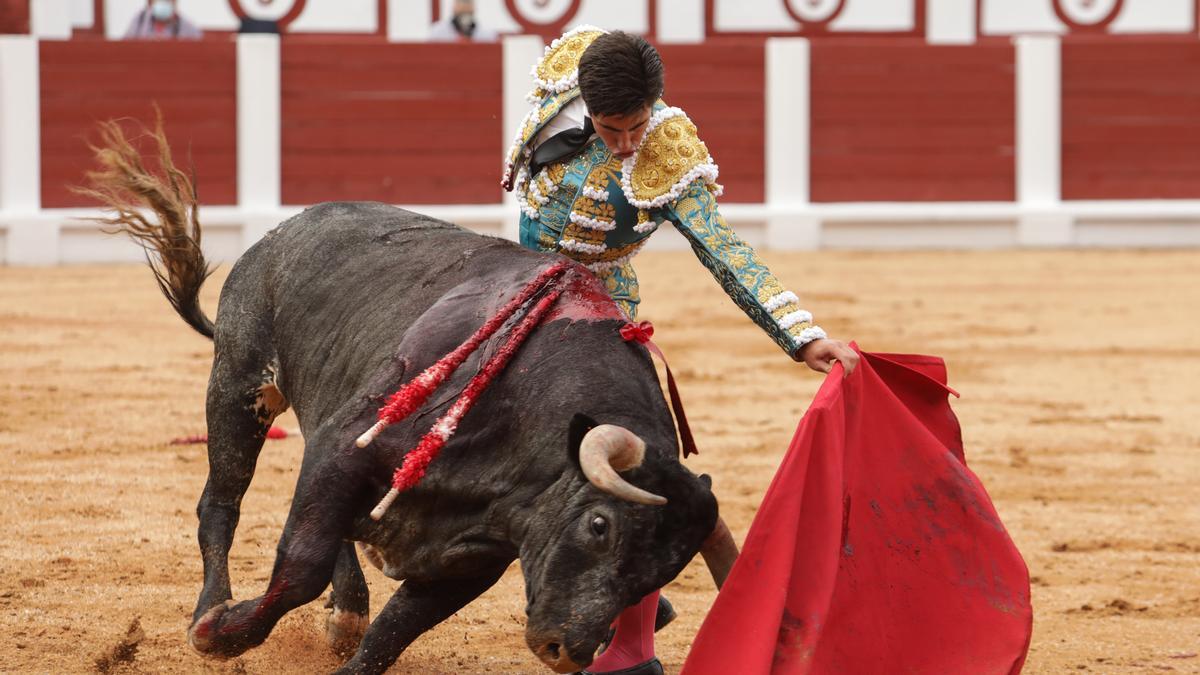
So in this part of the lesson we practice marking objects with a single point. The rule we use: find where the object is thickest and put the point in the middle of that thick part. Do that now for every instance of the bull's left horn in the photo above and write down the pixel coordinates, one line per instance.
(607, 449)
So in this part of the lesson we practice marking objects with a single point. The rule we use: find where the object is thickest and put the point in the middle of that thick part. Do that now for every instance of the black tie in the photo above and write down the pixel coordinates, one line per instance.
(560, 145)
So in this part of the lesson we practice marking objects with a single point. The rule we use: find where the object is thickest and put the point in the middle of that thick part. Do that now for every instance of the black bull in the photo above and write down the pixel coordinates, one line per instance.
(333, 310)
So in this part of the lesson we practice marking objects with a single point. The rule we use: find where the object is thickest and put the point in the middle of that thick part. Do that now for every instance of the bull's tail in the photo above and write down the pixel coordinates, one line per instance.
(171, 238)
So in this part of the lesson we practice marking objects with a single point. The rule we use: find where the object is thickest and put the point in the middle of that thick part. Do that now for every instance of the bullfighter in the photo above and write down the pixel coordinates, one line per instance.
(598, 165)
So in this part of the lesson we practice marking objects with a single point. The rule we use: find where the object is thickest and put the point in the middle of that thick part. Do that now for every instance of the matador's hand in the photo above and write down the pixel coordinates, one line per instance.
(820, 355)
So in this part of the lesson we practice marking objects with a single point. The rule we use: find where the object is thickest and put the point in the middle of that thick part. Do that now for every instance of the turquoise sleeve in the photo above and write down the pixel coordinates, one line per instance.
(739, 270)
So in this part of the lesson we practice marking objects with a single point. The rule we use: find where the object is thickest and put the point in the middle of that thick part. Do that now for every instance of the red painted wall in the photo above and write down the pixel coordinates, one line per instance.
(14, 16)
(195, 84)
(721, 86)
(900, 120)
(398, 123)
(1131, 118)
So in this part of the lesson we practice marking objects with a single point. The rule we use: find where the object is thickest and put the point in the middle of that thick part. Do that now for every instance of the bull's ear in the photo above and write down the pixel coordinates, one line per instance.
(705, 480)
(580, 425)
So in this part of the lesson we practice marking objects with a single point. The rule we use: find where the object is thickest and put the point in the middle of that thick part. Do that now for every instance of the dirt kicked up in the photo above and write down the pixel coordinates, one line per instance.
(1079, 373)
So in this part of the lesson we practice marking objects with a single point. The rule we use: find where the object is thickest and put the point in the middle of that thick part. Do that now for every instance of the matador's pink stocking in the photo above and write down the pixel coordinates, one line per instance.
(634, 640)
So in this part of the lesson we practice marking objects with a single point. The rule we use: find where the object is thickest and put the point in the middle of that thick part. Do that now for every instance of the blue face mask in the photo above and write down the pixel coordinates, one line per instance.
(162, 10)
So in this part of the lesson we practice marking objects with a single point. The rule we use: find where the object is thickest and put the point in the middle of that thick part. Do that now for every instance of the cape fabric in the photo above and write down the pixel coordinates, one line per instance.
(875, 550)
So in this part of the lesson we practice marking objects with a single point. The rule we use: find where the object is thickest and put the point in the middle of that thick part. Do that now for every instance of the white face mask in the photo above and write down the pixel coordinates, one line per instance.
(162, 10)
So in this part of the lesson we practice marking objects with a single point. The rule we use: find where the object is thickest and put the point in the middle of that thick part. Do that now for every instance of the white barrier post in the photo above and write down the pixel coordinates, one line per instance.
(259, 124)
(790, 222)
(1043, 221)
(25, 240)
(520, 53)
(20, 184)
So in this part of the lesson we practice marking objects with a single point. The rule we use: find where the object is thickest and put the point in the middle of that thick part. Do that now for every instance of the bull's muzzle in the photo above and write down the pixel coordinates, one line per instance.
(553, 652)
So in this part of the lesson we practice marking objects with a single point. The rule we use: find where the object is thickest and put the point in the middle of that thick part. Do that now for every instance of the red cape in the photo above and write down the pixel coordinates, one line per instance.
(875, 550)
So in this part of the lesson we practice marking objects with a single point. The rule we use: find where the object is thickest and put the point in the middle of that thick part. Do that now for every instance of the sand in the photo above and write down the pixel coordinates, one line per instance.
(1079, 373)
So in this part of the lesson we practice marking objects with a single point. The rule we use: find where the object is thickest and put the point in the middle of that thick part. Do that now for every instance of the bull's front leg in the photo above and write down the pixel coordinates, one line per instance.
(304, 564)
(413, 609)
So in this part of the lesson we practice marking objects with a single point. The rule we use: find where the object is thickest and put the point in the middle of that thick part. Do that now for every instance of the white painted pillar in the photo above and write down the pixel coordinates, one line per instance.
(1039, 136)
(259, 126)
(26, 241)
(950, 22)
(1039, 143)
(520, 53)
(20, 121)
(50, 19)
(680, 21)
(790, 223)
(409, 20)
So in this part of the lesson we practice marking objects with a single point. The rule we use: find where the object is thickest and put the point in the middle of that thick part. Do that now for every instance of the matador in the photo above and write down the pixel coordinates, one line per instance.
(598, 165)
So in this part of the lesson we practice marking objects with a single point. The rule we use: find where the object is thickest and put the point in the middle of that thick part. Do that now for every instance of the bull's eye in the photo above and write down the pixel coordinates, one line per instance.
(599, 526)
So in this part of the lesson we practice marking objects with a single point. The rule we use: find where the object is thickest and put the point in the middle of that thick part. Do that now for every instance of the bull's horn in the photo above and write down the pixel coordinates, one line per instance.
(607, 449)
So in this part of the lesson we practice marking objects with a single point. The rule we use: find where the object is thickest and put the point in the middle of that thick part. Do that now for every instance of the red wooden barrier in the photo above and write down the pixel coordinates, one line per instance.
(899, 120)
(398, 123)
(1131, 118)
(722, 87)
(14, 16)
(195, 84)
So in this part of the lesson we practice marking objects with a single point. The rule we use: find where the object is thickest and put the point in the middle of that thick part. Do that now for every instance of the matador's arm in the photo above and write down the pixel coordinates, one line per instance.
(739, 270)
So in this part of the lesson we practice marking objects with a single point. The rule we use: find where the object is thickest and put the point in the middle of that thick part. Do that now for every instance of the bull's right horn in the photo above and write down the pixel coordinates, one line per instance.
(607, 449)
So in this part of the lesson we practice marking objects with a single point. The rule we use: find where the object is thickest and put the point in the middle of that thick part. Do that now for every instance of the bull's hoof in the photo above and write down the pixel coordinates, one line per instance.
(344, 630)
(203, 635)
(665, 613)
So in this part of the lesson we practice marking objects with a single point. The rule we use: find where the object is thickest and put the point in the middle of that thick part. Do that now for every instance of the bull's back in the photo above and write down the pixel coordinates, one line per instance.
(345, 280)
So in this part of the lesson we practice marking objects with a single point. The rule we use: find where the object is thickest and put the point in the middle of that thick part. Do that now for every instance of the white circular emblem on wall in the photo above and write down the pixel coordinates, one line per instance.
(1087, 12)
(814, 11)
(543, 11)
(266, 10)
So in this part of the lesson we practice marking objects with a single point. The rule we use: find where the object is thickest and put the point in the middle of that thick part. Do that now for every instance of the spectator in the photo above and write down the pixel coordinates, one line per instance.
(461, 27)
(160, 20)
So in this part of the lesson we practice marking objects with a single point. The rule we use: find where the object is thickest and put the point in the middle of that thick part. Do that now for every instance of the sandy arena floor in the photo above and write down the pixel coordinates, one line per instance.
(1078, 371)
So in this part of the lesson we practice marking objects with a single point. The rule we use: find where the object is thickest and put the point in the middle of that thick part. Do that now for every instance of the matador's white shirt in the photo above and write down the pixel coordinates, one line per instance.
(570, 117)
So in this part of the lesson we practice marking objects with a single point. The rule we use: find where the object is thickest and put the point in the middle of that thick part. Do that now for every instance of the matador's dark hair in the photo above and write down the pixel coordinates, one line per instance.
(619, 74)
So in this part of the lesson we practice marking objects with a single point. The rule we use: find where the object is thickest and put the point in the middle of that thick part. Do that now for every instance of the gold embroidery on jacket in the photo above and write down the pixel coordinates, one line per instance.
(672, 150)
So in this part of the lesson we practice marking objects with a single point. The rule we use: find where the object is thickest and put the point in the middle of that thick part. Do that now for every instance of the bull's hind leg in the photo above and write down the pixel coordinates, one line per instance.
(242, 403)
(348, 604)
(414, 608)
(328, 493)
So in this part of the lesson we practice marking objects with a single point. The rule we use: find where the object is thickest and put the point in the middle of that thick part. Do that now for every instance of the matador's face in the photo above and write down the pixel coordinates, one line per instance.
(622, 133)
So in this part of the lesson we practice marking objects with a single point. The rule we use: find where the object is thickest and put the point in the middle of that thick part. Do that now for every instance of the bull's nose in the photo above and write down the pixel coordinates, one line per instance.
(554, 655)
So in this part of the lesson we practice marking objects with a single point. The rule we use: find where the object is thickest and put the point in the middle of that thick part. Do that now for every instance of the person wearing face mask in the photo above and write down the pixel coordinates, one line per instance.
(597, 166)
(462, 26)
(160, 20)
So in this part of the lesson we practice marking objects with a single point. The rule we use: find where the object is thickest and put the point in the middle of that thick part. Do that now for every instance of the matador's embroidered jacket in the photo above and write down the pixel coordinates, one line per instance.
(600, 210)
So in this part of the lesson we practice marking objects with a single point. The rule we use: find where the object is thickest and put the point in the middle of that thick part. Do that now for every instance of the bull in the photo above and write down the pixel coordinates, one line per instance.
(335, 308)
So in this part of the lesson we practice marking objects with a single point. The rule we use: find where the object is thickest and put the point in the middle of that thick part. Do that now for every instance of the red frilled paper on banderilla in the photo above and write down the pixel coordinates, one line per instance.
(875, 550)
